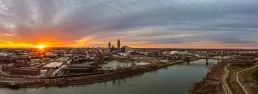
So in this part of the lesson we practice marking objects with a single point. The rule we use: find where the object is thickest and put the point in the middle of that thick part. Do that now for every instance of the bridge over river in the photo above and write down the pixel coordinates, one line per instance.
(218, 58)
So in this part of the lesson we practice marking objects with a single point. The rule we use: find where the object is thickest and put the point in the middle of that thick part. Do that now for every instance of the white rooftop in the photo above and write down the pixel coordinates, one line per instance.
(53, 65)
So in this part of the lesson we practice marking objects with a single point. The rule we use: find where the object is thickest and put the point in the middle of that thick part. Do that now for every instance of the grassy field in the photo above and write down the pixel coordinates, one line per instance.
(255, 75)
(235, 87)
(246, 78)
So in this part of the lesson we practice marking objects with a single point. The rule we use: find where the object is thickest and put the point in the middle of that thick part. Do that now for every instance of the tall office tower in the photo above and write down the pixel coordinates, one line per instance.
(109, 45)
(118, 44)
(113, 47)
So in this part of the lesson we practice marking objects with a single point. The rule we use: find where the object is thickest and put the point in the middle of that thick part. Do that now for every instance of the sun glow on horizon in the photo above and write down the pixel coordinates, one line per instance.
(41, 46)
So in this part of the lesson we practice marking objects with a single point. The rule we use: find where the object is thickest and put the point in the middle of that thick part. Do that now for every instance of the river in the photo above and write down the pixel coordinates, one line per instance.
(176, 79)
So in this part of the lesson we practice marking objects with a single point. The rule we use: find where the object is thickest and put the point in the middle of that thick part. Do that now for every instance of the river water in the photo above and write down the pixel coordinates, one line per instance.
(176, 79)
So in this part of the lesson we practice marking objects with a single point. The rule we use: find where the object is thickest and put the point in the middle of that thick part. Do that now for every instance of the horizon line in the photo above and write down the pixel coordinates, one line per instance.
(135, 48)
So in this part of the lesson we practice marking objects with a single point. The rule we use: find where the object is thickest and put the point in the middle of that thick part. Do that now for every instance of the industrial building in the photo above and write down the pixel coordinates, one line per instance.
(28, 71)
(81, 68)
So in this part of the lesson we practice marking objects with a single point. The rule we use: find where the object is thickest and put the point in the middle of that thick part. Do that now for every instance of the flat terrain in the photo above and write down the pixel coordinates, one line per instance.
(246, 78)
(252, 80)
(255, 75)
(235, 87)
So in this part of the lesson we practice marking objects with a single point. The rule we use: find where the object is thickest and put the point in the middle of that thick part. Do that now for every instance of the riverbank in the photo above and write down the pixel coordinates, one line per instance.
(212, 83)
(178, 78)
(86, 79)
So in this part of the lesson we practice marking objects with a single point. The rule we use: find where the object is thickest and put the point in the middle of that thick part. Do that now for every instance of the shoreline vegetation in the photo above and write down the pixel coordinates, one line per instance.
(86, 79)
(212, 83)
(238, 82)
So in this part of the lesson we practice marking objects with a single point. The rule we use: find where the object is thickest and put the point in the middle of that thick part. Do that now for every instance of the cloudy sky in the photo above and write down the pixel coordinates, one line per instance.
(138, 23)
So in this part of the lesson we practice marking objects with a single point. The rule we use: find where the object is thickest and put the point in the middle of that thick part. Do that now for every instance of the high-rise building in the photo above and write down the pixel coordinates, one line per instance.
(125, 49)
(112, 48)
(109, 45)
(118, 44)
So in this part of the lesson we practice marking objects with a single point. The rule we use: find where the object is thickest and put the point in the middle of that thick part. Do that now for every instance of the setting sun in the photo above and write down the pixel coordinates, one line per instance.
(41, 46)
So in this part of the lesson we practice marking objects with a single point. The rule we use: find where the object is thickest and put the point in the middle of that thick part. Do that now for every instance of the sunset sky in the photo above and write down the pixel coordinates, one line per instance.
(138, 23)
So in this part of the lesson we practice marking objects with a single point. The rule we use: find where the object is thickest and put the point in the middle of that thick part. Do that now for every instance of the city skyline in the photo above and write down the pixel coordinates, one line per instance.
(128, 46)
(140, 24)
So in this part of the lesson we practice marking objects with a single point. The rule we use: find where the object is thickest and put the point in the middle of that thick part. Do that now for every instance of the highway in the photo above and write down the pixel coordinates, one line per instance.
(225, 86)
(237, 76)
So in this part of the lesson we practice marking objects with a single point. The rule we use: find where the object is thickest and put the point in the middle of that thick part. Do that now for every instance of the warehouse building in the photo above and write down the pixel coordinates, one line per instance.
(28, 71)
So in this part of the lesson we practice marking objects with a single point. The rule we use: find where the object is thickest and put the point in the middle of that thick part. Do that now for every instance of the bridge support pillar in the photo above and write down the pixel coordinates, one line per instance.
(207, 61)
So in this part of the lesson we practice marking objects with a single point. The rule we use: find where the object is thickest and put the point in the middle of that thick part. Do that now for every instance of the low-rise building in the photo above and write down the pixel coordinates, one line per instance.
(80, 68)
(28, 71)
(52, 65)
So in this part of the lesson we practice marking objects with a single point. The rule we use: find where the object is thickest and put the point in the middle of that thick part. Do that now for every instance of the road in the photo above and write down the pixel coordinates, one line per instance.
(237, 76)
(225, 86)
